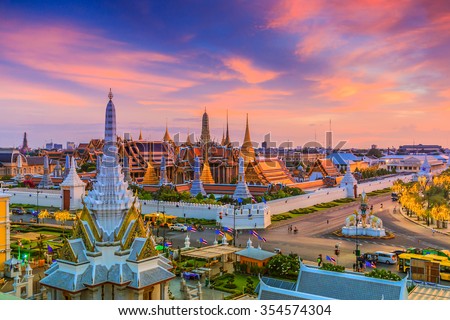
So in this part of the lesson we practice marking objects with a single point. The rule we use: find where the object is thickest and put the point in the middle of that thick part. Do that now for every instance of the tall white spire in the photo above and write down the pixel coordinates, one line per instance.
(110, 198)
(110, 120)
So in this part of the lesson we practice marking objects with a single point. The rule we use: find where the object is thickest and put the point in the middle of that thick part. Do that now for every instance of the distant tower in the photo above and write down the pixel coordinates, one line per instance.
(247, 150)
(329, 139)
(25, 149)
(19, 177)
(110, 120)
(227, 141)
(197, 184)
(163, 172)
(126, 169)
(46, 180)
(188, 139)
(57, 172)
(167, 137)
(205, 137)
(241, 190)
(67, 166)
(72, 190)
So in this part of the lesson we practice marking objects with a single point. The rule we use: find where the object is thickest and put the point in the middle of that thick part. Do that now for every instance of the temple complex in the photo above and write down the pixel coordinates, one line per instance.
(111, 255)
(218, 160)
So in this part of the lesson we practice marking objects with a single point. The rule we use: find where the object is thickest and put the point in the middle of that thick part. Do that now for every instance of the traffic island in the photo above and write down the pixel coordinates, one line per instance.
(389, 235)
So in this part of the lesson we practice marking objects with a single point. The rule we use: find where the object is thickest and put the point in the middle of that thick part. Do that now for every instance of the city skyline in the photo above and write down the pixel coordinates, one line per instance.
(377, 69)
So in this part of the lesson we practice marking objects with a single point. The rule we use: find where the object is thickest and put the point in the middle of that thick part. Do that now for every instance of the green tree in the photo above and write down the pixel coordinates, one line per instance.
(249, 286)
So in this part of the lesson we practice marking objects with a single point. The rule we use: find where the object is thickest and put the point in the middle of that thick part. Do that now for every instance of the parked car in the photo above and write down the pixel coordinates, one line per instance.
(178, 227)
(33, 212)
(386, 257)
(18, 211)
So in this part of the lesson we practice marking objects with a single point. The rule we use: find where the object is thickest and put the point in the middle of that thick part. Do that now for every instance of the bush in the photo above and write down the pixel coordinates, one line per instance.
(230, 286)
(332, 267)
(383, 274)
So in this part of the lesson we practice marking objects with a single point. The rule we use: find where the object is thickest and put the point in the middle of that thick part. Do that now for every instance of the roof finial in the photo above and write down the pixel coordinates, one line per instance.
(110, 95)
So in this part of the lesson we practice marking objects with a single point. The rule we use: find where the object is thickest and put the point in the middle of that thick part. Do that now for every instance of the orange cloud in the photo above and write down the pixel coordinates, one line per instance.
(287, 12)
(248, 72)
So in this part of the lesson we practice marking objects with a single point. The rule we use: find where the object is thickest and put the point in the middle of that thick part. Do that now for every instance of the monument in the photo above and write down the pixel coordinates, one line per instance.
(361, 223)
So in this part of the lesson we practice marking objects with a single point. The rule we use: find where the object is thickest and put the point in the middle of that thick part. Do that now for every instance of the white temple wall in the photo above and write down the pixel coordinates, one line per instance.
(328, 194)
(31, 197)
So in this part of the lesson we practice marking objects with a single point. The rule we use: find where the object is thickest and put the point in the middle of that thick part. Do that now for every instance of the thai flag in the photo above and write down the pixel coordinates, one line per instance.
(262, 239)
(333, 260)
(254, 233)
(192, 229)
(203, 241)
(226, 229)
(220, 233)
(254, 200)
(168, 244)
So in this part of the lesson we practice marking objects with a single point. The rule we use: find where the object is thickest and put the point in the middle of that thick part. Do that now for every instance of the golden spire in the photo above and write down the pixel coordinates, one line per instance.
(206, 175)
(167, 137)
(150, 175)
(223, 137)
(227, 141)
(188, 139)
(140, 135)
(247, 150)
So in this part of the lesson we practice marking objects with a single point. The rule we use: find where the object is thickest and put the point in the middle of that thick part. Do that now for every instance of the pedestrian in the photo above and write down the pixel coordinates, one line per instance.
(432, 230)
(319, 260)
(327, 221)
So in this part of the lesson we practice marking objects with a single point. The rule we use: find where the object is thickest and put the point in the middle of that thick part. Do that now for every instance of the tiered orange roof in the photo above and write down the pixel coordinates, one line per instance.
(325, 166)
(272, 171)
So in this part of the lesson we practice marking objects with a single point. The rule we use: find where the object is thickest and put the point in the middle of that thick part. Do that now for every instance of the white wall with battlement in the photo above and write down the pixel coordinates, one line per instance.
(258, 214)
(329, 194)
(43, 198)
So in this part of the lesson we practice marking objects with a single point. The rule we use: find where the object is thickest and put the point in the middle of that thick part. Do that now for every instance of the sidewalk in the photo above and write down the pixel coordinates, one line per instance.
(445, 232)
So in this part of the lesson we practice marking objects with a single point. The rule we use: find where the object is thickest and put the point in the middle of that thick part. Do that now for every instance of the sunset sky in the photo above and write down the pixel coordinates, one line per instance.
(380, 70)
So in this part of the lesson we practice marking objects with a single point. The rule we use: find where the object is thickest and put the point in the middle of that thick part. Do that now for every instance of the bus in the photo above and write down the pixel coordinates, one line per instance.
(164, 220)
(404, 263)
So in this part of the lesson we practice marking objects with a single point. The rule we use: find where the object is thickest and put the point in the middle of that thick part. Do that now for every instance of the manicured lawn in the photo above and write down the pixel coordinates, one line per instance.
(240, 281)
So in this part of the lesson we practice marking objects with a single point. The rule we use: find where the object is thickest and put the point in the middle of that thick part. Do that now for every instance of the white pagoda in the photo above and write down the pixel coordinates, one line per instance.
(111, 256)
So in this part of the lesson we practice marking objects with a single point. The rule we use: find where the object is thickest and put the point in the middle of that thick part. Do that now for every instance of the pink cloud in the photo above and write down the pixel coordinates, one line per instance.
(248, 71)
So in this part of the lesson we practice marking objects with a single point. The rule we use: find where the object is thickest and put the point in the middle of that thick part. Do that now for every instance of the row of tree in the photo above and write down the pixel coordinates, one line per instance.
(427, 199)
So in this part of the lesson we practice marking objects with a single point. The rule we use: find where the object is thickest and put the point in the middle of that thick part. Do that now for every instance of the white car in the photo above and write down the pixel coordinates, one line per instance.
(178, 227)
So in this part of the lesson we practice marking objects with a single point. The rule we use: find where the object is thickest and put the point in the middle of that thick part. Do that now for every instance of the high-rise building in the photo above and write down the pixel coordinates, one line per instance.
(329, 139)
